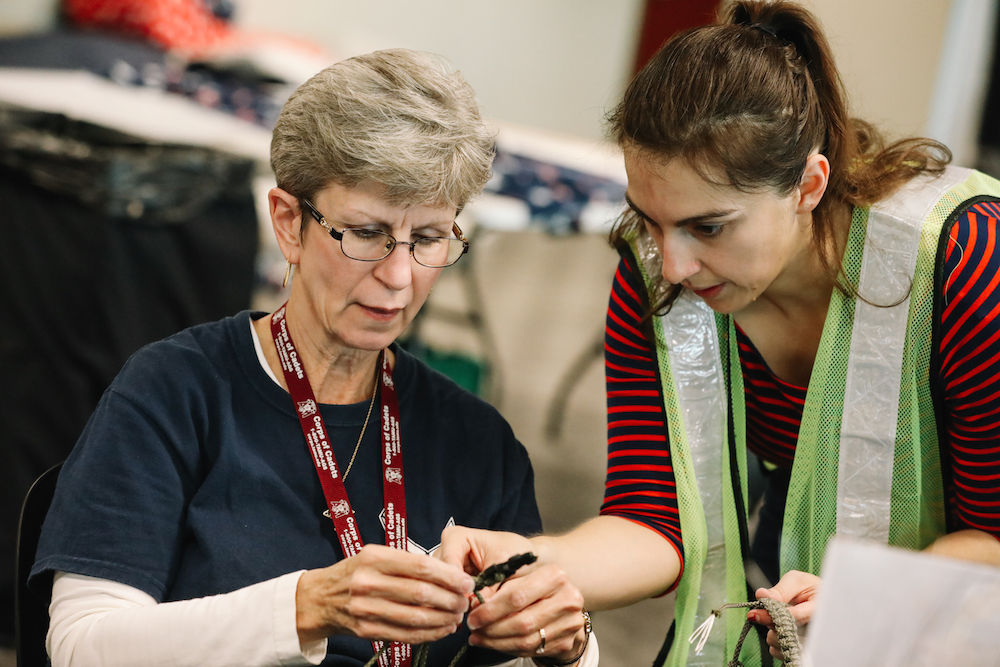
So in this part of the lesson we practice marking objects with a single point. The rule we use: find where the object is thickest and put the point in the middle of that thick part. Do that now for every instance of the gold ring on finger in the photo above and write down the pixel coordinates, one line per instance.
(541, 647)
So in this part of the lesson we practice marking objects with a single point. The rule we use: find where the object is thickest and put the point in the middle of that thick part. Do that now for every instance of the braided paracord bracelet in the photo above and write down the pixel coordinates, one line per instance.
(784, 625)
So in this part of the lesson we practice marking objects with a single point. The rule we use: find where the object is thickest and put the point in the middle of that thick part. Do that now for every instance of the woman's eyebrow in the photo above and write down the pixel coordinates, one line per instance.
(359, 218)
(639, 211)
(355, 216)
(700, 219)
(443, 223)
(703, 218)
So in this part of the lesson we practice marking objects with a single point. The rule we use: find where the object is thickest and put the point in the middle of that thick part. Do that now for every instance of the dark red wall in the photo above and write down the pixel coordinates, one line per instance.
(663, 18)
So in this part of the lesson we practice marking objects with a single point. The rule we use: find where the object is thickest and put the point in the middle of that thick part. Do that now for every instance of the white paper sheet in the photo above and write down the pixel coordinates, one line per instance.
(886, 607)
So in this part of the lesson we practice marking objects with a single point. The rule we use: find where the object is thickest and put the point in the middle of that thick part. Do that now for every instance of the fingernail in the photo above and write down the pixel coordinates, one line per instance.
(473, 625)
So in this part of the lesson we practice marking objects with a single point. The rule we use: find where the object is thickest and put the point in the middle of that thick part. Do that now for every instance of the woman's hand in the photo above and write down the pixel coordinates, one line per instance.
(473, 549)
(536, 598)
(513, 617)
(796, 589)
(382, 593)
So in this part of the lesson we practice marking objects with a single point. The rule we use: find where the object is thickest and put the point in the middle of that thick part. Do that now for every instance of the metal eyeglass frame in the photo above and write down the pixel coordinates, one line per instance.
(339, 236)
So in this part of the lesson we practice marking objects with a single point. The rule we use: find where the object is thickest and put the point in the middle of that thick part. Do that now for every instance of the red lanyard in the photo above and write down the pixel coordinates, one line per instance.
(341, 512)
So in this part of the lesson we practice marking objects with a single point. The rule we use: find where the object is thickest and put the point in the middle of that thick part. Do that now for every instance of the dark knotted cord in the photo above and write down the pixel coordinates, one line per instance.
(491, 576)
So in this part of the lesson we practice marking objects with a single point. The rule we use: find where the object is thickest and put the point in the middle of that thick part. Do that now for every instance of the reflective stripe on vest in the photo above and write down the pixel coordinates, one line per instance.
(871, 394)
(693, 347)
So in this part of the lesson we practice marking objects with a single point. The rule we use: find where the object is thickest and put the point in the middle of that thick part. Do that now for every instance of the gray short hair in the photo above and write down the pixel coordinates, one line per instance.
(398, 118)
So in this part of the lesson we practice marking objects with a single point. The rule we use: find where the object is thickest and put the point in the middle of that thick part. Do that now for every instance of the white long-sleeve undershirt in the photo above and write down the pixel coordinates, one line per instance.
(102, 623)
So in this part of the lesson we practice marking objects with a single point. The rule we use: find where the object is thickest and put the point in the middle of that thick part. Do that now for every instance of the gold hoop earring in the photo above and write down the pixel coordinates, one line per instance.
(288, 274)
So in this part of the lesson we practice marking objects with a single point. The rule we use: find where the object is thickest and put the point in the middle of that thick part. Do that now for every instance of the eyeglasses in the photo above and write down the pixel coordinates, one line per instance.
(370, 245)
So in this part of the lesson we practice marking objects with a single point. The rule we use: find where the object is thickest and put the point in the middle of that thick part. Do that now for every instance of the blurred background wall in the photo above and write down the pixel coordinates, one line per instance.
(557, 64)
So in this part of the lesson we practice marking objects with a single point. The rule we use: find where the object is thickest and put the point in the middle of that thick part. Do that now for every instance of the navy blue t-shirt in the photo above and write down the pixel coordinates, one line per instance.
(193, 478)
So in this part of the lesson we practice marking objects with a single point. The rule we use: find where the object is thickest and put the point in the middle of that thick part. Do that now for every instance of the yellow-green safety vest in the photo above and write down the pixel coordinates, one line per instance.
(866, 462)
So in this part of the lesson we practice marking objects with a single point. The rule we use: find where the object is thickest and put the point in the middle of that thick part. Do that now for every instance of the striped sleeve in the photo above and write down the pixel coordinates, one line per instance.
(970, 369)
(640, 480)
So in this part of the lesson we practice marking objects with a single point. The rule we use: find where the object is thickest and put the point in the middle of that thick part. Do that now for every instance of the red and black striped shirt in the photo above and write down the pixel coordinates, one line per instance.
(640, 481)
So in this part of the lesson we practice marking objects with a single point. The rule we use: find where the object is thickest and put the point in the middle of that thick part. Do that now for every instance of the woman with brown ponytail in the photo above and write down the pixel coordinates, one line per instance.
(793, 285)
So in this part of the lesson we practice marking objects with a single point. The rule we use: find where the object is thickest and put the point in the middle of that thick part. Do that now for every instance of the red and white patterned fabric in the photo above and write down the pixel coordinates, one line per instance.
(185, 26)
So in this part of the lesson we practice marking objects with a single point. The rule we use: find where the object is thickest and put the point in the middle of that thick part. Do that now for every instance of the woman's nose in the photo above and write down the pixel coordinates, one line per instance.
(396, 270)
(679, 263)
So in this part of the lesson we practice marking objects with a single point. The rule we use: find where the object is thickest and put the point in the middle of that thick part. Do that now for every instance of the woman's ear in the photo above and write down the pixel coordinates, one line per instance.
(815, 178)
(286, 218)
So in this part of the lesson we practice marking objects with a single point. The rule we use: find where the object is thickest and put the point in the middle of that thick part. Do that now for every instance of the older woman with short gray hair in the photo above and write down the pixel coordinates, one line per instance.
(238, 498)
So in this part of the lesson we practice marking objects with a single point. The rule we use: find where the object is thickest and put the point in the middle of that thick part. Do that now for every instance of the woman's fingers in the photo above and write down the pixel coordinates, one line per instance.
(473, 550)
(513, 618)
(793, 588)
(420, 604)
(379, 618)
(524, 637)
(411, 578)
(383, 593)
(802, 612)
(798, 590)
(773, 647)
(519, 593)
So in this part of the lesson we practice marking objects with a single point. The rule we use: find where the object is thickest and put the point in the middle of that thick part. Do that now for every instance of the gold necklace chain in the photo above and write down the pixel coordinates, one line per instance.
(364, 426)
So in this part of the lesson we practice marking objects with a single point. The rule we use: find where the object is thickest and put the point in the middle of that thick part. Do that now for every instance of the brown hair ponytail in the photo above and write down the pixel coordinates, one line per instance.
(750, 98)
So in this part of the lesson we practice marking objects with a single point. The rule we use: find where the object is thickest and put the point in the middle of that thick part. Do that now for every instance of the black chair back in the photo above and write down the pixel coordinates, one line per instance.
(31, 613)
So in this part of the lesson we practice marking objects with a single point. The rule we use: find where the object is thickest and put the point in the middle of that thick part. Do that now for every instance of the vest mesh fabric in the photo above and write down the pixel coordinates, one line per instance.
(917, 514)
(814, 470)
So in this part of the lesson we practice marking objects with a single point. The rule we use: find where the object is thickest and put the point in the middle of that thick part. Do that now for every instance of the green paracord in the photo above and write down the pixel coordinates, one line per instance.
(784, 625)
(491, 576)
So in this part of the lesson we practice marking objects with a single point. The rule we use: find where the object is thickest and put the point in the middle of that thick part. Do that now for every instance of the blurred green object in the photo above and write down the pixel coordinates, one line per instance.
(467, 371)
